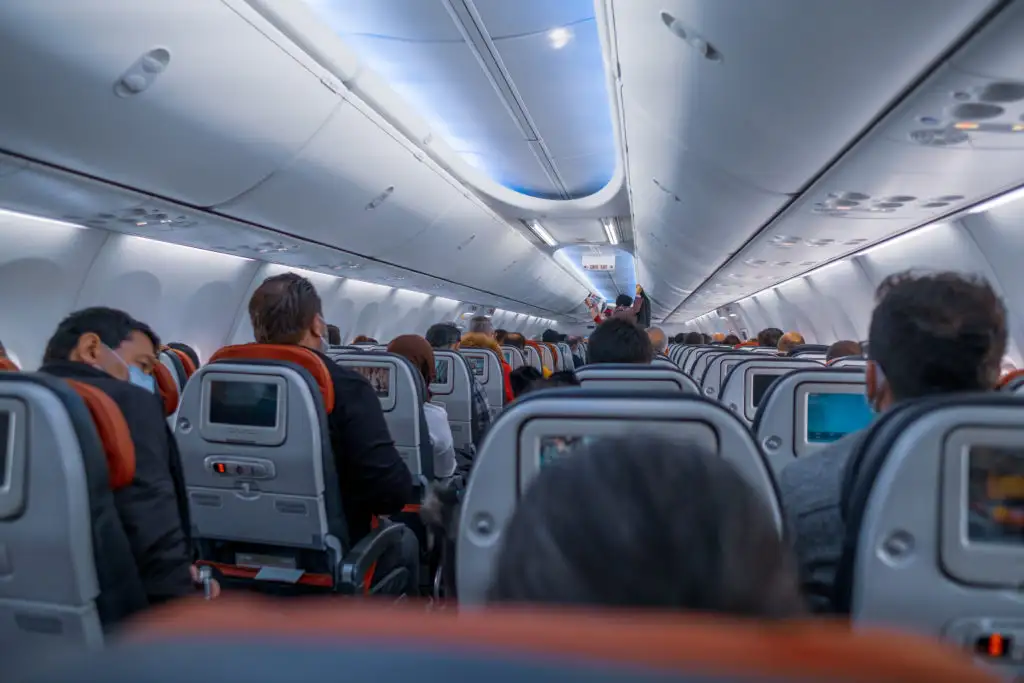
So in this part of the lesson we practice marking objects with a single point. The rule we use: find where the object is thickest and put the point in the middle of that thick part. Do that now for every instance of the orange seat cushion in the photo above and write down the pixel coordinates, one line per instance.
(7, 365)
(299, 355)
(186, 360)
(167, 387)
(113, 432)
(1005, 379)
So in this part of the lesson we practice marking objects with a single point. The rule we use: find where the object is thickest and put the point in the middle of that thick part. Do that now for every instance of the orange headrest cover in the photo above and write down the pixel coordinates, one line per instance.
(167, 387)
(299, 355)
(7, 365)
(113, 433)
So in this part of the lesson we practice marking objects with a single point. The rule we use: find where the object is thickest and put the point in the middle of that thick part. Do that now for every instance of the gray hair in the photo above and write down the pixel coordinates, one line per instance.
(658, 339)
(481, 324)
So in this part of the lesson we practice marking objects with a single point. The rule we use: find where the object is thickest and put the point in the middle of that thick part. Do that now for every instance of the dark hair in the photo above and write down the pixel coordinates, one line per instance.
(732, 340)
(842, 349)
(705, 338)
(443, 335)
(769, 337)
(550, 337)
(363, 339)
(186, 349)
(517, 340)
(617, 340)
(637, 521)
(283, 309)
(624, 300)
(693, 338)
(499, 336)
(937, 333)
(333, 335)
(109, 324)
(556, 380)
(521, 378)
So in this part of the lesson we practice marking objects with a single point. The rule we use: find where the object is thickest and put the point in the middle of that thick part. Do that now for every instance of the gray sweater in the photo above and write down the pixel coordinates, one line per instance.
(811, 489)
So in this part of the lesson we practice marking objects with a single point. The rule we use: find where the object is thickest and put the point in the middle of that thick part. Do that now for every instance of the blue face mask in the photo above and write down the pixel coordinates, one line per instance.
(135, 374)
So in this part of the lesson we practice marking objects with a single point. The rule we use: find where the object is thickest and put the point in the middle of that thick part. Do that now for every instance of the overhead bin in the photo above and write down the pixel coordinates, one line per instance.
(182, 98)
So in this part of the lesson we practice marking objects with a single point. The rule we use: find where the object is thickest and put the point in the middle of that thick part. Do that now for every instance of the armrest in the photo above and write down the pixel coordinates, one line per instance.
(357, 562)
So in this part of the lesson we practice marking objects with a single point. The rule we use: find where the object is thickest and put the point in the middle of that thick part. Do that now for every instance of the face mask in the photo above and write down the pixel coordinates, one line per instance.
(880, 383)
(324, 345)
(135, 374)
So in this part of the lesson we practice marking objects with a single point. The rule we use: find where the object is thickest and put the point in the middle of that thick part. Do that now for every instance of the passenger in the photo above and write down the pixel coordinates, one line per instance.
(446, 337)
(693, 338)
(619, 341)
(286, 309)
(659, 342)
(641, 522)
(187, 350)
(500, 336)
(522, 378)
(480, 340)
(481, 324)
(718, 338)
(419, 352)
(630, 308)
(555, 381)
(516, 340)
(842, 349)
(732, 340)
(550, 337)
(705, 338)
(363, 339)
(930, 334)
(574, 346)
(790, 341)
(115, 353)
(333, 335)
(769, 337)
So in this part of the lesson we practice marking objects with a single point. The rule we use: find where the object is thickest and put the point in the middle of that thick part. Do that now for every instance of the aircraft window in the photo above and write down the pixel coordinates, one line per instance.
(441, 370)
(832, 416)
(247, 404)
(6, 444)
(995, 495)
(477, 363)
(378, 377)
(761, 384)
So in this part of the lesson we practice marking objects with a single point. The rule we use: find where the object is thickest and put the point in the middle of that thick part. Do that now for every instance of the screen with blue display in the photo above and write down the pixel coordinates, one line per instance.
(830, 417)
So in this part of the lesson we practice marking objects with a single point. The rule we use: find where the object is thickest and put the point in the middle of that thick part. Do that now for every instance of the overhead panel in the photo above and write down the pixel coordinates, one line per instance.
(733, 107)
(182, 98)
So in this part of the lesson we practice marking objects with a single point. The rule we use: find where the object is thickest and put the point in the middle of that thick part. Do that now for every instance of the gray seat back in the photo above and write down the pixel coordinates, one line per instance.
(637, 377)
(935, 503)
(663, 362)
(527, 434)
(548, 357)
(533, 358)
(513, 356)
(849, 362)
(170, 360)
(565, 357)
(745, 384)
(453, 389)
(805, 410)
(700, 364)
(486, 366)
(258, 466)
(54, 484)
(717, 370)
(401, 391)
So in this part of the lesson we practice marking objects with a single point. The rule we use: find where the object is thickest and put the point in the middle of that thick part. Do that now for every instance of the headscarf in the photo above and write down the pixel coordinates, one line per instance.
(419, 352)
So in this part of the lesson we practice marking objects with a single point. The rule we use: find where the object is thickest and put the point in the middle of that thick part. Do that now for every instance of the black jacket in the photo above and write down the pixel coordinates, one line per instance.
(150, 507)
(374, 479)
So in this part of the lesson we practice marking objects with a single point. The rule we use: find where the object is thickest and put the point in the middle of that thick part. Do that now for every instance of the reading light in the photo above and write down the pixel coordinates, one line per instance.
(559, 37)
(540, 232)
(611, 230)
(995, 202)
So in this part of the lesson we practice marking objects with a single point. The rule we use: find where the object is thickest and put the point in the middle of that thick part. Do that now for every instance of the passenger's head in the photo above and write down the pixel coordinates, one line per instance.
(517, 340)
(481, 324)
(286, 309)
(550, 337)
(444, 336)
(636, 521)
(659, 342)
(478, 340)
(624, 301)
(769, 337)
(790, 341)
(693, 338)
(617, 340)
(842, 349)
(933, 334)
(732, 340)
(522, 378)
(333, 335)
(500, 336)
(363, 339)
(705, 338)
(418, 351)
(108, 339)
(717, 338)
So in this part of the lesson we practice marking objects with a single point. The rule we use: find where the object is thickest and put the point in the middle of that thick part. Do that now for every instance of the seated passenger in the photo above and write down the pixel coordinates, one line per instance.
(718, 338)
(732, 340)
(930, 334)
(790, 341)
(693, 338)
(659, 342)
(115, 353)
(500, 336)
(516, 340)
(769, 337)
(333, 335)
(641, 522)
(374, 480)
(481, 336)
(420, 353)
(446, 337)
(574, 346)
(619, 341)
(522, 377)
(363, 339)
(555, 381)
(842, 349)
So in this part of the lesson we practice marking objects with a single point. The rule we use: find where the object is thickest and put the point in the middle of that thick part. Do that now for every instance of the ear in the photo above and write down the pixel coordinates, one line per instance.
(875, 385)
(87, 350)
